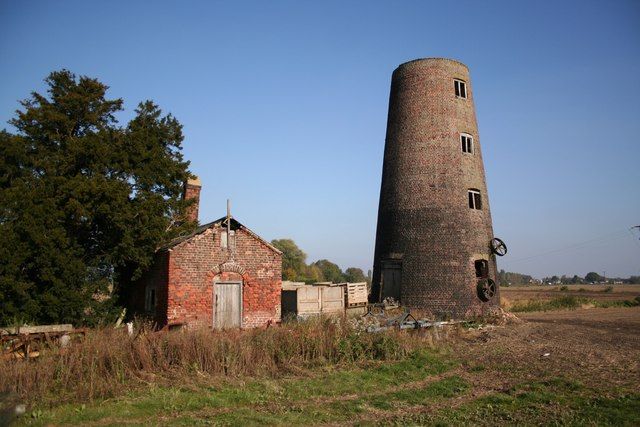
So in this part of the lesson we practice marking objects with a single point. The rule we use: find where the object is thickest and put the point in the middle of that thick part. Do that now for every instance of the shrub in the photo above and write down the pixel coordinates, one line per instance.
(108, 361)
(571, 302)
(564, 302)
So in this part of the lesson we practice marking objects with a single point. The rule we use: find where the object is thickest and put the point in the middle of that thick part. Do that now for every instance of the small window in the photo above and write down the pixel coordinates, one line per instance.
(223, 239)
(150, 301)
(460, 88)
(482, 269)
(467, 143)
(475, 201)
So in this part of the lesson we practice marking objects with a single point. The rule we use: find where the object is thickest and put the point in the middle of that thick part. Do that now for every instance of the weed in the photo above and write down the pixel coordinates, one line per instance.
(109, 361)
(626, 303)
(571, 303)
(564, 302)
(332, 396)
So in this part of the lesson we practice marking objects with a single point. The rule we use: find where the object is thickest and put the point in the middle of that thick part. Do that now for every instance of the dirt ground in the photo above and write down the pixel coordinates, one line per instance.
(513, 294)
(600, 347)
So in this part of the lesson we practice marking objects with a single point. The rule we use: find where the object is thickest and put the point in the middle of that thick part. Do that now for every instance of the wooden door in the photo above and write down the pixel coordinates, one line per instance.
(309, 300)
(391, 279)
(332, 299)
(227, 305)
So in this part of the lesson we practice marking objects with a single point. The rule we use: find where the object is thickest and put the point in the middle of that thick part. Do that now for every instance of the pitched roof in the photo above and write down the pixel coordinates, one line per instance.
(235, 224)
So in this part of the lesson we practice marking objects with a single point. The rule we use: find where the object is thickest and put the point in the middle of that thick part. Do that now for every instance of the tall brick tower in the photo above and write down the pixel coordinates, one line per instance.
(435, 248)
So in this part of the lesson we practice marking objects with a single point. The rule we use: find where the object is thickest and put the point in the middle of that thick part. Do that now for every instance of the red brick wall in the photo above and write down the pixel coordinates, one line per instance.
(157, 277)
(195, 265)
(192, 191)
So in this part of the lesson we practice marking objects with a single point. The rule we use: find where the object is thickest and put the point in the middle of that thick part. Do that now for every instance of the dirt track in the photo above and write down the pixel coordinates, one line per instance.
(594, 346)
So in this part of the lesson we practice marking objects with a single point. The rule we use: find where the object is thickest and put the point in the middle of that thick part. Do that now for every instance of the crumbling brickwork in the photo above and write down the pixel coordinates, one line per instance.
(425, 223)
(192, 190)
(185, 294)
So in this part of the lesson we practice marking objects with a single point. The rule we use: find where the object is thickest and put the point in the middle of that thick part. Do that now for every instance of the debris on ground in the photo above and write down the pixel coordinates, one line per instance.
(391, 315)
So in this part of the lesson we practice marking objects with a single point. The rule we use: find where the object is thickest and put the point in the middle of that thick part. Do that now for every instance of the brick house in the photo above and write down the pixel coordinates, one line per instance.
(222, 275)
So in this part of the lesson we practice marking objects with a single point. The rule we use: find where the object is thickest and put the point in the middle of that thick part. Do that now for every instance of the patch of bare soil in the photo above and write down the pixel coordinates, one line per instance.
(597, 347)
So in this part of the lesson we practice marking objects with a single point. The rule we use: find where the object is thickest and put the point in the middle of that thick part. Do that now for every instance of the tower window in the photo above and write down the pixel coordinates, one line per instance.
(475, 201)
(460, 88)
(467, 143)
(482, 269)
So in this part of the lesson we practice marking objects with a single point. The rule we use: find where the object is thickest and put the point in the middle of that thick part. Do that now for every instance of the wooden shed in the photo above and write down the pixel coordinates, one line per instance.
(304, 300)
(307, 300)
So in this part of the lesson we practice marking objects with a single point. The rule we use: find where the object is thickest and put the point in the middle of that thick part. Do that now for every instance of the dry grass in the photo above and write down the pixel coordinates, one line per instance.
(108, 362)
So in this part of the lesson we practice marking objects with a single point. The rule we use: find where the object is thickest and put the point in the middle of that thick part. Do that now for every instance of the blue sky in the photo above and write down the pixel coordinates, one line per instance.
(284, 107)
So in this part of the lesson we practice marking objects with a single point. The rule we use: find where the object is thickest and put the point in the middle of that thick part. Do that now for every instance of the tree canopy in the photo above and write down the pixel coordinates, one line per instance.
(294, 267)
(293, 259)
(330, 272)
(594, 277)
(354, 275)
(84, 202)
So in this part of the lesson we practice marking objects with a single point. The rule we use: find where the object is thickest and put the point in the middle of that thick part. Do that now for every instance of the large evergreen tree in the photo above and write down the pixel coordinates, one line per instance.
(84, 202)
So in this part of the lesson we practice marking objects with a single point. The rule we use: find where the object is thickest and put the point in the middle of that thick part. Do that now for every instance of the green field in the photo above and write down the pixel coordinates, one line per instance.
(568, 367)
(428, 388)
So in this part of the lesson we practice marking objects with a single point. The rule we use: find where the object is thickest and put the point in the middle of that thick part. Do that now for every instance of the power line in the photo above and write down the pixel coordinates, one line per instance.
(602, 239)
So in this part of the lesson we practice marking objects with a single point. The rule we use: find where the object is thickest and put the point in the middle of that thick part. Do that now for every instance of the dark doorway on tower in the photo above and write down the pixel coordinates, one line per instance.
(391, 279)
(482, 269)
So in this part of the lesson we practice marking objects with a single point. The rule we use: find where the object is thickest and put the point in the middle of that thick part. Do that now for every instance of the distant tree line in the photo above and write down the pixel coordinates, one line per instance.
(295, 268)
(591, 277)
(506, 278)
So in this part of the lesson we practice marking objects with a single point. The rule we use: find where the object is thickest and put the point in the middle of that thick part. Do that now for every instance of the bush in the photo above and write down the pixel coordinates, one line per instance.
(108, 361)
(564, 302)
(571, 302)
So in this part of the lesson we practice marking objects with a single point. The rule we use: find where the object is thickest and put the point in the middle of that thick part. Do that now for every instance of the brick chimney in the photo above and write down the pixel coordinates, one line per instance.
(192, 191)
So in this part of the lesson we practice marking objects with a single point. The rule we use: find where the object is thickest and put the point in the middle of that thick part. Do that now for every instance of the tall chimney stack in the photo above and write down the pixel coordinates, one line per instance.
(192, 191)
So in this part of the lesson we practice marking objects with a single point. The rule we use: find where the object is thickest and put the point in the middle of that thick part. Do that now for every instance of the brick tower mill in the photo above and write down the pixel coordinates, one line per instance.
(435, 248)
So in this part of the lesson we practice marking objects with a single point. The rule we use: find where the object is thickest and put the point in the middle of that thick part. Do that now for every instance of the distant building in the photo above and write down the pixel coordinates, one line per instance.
(222, 275)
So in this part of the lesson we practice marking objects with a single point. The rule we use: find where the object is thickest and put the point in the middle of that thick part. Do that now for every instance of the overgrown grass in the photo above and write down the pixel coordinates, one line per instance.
(570, 303)
(564, 302)
(109, 362)
(419, 390)
(329, 397)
